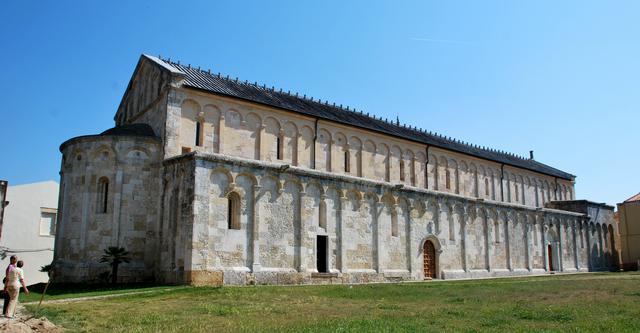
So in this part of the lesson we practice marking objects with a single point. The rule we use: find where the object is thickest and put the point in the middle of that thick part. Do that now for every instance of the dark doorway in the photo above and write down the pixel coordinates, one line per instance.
(550, 254)
(321, 254)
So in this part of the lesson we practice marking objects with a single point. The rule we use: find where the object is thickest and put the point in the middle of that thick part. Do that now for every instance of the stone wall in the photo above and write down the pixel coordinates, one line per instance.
(376, 231)
(247, 130)
(108, 197)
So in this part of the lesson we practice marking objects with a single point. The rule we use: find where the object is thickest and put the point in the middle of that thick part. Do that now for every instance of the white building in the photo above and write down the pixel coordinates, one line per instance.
(29, 227)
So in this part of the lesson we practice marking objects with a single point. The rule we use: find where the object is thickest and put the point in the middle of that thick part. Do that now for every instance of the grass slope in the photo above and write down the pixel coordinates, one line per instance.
(584, 303)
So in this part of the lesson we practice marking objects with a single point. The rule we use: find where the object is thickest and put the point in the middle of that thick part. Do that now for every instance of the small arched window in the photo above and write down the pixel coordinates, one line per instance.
(401, 170)
(279, 147)
(447, 180)
(233, 211)
(103, 195)
(198, 133)
(347, 161)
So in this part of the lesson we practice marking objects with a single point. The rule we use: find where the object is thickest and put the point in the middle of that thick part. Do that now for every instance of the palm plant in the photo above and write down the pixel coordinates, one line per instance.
(114, 256)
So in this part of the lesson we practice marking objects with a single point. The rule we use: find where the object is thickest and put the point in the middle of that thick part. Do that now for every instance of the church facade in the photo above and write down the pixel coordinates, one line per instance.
(206, 179)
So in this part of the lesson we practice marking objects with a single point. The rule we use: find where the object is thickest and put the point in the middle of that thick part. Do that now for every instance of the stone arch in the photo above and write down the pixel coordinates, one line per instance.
(383, 159)
(211, 114)
(454, 175)
(189, 115)
(233, 119)
(98, 154)
(369, 159)
(272, 144)
(395, 164)
(420, 168)
(323, 155)
(290, 144)
(409, 167)
(355, 148)
(305, 147)
(342, 153)
(432, 172)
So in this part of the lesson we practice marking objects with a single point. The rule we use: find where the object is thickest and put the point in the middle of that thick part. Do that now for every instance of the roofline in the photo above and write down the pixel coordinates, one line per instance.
(70, 141)
(593, 203)
(572, 178)
(163, 65)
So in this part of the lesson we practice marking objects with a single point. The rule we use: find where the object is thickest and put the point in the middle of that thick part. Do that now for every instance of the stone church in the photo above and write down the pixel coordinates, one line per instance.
(207, 179)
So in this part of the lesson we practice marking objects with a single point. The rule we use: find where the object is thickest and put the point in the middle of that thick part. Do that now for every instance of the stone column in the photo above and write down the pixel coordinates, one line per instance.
(376, 235)
(341, 230)
(117, 202)
(258, 148)
(561, 240)
(487, 239)
(409, 239)
(527, 239)
(221, 130)
(545, 255)
(507, 240)
(302, 250)
(463, 237)
(256, 266)
(576, 259)
(590, 264)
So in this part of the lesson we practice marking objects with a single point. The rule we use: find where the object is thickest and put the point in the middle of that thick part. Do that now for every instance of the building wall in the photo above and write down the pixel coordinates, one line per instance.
(376, 231)
(248, 130)
(130, 167)
(629, 213)
(21, 233)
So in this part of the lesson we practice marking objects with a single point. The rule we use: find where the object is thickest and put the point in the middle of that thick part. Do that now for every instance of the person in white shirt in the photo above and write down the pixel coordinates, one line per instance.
(16, 279)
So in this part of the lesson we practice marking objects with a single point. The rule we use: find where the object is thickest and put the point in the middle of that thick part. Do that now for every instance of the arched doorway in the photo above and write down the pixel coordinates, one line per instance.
(429, 257)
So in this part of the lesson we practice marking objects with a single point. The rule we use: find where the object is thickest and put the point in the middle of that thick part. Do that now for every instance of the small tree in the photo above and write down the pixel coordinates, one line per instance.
(114, 256)
(46, 269)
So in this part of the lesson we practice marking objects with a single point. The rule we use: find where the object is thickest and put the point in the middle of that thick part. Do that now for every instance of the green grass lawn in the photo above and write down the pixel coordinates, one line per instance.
(579, 303)
(62, 291)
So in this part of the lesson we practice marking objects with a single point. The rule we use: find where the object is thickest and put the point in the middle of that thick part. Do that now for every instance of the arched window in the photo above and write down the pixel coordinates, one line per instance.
(347, 161)
(447, 180)
(233, 211)
(198, 133)
(401, 170)
(279, 147)
(394, 222)
(103, 195)
(322, 218)
(486, 186)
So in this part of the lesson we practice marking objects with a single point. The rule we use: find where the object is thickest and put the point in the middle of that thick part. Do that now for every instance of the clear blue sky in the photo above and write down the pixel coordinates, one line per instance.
(557, 77)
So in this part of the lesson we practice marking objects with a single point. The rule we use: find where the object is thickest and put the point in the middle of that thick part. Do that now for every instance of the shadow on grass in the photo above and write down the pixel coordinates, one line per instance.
(75, 290)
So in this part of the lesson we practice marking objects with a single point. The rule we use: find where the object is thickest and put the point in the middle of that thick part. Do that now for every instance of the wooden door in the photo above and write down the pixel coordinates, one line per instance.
(429, 255)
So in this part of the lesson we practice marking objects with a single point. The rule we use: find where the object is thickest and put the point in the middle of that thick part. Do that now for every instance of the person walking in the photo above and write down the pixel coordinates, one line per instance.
(5, 294)
(16, 278)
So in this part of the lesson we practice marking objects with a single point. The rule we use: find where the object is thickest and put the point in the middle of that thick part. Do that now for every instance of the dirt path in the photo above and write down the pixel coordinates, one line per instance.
(24, 322)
